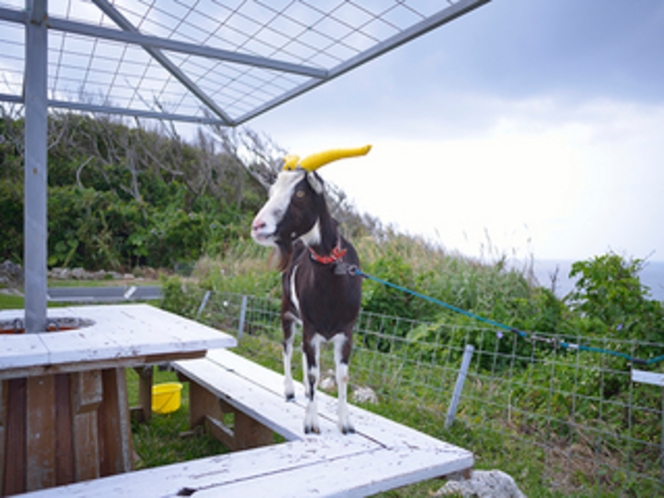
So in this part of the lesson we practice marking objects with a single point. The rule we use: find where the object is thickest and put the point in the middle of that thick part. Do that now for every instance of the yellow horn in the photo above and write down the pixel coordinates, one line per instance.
(315, 161)
(290, 162)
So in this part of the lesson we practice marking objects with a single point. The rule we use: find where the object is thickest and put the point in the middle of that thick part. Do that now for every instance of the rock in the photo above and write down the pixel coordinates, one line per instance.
(482, 484)
(11, 274)
(78, 273)
(328, 383)
(360, 394)
(365, 395)
(99, 275)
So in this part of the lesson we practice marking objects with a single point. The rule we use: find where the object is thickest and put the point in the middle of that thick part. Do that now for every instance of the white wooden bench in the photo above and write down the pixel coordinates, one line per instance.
(382, 455)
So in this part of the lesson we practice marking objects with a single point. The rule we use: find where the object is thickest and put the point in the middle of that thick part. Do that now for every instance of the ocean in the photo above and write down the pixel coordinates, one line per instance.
(652, 276)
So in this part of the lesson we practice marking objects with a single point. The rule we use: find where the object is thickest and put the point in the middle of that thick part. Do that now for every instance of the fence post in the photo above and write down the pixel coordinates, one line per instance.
(203, 303)
(243, 314)
(461, 378)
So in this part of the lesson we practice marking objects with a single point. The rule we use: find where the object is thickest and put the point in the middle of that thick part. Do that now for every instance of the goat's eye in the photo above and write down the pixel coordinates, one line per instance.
(299, 194)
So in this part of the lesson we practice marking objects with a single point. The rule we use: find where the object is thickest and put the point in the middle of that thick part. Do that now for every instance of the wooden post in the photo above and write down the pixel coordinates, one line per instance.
(15, 459)
(114, 427)
(250, 433)
(41, 432)
(202, 403)
(64, 445)
(3, 430)
(205, 408)
(86, 397)
(143, 412)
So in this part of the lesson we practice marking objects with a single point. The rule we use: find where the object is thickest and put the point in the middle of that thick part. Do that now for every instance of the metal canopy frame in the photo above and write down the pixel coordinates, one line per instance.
(220, 62)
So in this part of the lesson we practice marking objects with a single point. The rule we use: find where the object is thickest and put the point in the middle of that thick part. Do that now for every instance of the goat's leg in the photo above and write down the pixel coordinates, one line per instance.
(289, 333)
(311, 368)
(342, 347)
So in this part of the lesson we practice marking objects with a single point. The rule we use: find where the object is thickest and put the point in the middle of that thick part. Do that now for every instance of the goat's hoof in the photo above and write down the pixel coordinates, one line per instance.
(347, 429)
(290, 396)
(311, 429)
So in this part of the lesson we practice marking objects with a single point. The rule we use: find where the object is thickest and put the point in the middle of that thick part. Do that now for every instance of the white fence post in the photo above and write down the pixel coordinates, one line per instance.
(461, 378)
(243, 314)
(203, 303)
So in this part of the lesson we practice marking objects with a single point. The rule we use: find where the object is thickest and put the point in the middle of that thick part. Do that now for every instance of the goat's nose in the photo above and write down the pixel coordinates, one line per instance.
(257, 225)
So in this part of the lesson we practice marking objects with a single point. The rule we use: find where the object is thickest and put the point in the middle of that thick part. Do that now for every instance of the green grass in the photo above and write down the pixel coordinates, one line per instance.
(161, 440)
(409, 394)
(101, 283)
(11, 302)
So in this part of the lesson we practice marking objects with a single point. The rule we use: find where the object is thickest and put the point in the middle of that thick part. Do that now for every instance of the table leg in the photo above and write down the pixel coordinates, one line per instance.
(64, 446)
(40, 446)
(207, 409)
(14, 447)
(114, 427)
(63, 428)
(143, 412)
(3, 429)
(250, 433)
(202, 403)
(86, 396)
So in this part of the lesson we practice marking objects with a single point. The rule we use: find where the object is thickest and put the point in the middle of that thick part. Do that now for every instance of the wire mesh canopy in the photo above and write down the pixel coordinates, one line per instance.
(206, 61)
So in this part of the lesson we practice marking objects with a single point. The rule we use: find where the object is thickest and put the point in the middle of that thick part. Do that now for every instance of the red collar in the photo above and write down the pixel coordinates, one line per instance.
(337, 254)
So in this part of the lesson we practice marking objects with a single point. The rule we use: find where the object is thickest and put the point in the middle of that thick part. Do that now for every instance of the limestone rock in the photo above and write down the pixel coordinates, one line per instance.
(11, 274)
(482, 484)
(365, 395)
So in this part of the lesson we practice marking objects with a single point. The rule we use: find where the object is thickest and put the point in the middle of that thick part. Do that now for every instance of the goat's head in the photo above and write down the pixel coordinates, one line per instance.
(296, 200)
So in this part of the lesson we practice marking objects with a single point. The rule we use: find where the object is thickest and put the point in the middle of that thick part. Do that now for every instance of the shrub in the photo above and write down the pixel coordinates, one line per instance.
(609, 294)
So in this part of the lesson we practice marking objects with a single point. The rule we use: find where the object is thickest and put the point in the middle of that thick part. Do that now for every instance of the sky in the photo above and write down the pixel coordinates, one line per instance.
(524, 129)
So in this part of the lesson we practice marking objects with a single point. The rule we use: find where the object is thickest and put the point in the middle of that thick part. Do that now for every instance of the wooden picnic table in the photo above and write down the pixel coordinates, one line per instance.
(64, 414)
(380, 456)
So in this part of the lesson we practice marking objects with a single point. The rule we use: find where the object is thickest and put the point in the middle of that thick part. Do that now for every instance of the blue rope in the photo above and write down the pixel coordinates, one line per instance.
(520, 333)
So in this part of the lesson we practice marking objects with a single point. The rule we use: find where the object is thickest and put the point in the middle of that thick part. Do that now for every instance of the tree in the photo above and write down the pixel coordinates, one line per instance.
(609, 289)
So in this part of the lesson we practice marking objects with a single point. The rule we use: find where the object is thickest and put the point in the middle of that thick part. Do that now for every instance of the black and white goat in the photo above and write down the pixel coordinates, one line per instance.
(321, 291)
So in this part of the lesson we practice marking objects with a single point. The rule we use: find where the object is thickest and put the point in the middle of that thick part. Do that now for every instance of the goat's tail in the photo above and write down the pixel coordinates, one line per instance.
(315, 161)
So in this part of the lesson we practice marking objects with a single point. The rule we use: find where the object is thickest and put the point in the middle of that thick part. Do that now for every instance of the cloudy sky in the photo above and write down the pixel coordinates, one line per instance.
(536, 128)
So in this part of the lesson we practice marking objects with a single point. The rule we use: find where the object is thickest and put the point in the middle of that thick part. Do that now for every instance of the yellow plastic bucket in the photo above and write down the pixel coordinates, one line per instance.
(166, 397)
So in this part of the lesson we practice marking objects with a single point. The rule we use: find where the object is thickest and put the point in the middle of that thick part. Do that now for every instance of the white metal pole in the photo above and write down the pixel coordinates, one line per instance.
(458, 388)
(36, 125)
(243, 316)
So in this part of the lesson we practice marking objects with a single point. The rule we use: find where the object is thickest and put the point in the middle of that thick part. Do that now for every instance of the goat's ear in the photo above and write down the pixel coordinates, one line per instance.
(316, 182)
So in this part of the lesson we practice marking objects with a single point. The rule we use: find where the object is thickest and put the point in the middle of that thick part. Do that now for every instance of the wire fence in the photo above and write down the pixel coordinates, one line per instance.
(576, 420)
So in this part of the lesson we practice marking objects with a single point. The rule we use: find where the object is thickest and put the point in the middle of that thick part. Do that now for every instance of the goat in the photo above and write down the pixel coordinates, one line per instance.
(321, 292)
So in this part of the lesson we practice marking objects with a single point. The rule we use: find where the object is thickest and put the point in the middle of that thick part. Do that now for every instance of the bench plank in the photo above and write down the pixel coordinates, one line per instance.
(375, 427)
(214, 472)
(357, 475)
(261, 404)
(312, 467)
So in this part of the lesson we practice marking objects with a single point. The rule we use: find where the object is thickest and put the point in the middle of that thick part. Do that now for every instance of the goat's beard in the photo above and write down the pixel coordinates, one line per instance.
(281, 255)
